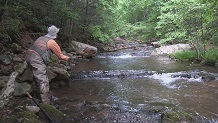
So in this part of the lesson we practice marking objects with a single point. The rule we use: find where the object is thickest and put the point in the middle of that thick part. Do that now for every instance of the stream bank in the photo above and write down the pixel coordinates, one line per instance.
(105, 89)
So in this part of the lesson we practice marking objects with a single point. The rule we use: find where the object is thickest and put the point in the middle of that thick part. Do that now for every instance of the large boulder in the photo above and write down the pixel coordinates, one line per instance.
(168, 49)
(85, 50)
(21, 89)
(61, 74)
(25, 76)
(5, 59)
(17, 84)
(53, 72)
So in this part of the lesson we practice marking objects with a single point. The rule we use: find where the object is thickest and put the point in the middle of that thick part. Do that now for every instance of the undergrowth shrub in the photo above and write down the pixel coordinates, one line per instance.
(211, 58)
(185, 55)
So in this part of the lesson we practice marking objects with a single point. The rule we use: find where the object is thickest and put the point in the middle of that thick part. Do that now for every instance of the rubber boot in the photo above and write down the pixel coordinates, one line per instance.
(36, 93)
(46, 98)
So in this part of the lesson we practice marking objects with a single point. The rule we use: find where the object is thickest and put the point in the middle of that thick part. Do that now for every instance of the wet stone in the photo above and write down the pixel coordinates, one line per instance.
(114, 74)
(52, 112)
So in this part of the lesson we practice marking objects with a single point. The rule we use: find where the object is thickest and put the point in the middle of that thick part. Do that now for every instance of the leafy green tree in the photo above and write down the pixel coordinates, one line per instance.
(111, 23)
(174, 21)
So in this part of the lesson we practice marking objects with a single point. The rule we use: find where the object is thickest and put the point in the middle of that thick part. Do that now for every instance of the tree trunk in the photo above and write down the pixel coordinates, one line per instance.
(86, 15)
(202, 32)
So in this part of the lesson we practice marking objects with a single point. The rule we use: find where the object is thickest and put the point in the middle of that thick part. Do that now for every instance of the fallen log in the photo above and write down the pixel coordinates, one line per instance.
(10, 86)
(9, 89)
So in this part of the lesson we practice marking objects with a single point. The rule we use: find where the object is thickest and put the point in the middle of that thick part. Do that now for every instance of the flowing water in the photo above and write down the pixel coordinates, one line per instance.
(122, 86)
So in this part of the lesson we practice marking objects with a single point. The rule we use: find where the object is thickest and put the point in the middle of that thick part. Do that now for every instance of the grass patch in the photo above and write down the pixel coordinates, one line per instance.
(184, 56)
(210, 58)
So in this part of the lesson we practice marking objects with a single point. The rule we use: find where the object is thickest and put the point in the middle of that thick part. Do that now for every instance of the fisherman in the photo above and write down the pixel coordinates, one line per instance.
(38, 56)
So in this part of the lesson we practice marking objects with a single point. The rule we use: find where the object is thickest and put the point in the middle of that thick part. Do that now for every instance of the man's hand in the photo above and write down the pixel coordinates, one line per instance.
(74, 57)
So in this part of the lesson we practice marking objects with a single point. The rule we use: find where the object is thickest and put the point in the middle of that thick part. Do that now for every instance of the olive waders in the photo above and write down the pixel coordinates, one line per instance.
(35, 61)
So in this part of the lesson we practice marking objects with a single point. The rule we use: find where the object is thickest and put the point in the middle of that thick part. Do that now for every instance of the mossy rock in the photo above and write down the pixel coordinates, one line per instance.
(52, 112)
(176, 117)
(12, 119)
(29, 117)
(156, 109)
(21, 89)
(26, 120)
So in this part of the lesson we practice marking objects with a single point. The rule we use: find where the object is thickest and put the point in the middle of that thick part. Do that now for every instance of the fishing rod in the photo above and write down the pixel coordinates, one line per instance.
(49, 118)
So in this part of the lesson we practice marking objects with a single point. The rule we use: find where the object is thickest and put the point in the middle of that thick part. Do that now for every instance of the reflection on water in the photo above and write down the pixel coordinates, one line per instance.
(174, 84)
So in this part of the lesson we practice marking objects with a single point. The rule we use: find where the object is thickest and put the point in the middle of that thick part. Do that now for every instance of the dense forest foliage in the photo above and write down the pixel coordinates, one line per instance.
(165, 21)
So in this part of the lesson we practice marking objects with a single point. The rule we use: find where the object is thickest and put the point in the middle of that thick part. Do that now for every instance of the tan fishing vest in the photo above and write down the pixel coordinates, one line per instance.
(40, 46)
(41, 42)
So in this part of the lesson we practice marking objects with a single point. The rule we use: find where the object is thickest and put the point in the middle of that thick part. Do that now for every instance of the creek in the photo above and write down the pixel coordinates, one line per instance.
(127, 86)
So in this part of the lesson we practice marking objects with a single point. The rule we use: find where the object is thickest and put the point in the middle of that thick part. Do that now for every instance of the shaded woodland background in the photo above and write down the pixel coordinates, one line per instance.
(90, 21)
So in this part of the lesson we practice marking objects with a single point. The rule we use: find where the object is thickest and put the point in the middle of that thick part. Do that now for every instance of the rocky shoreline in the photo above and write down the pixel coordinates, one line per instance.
(16, 79)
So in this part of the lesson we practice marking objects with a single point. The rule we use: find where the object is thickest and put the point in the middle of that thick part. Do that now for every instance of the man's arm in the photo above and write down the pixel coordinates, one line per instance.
(56, 50)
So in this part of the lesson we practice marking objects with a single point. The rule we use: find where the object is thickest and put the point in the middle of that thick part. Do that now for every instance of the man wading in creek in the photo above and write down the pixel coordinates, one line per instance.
(38, 56)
